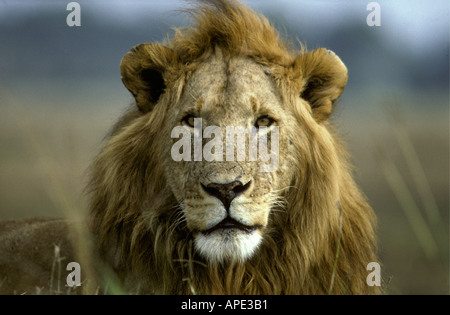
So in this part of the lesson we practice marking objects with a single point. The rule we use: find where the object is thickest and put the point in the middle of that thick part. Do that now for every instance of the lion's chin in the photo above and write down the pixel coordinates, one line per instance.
(228, 245)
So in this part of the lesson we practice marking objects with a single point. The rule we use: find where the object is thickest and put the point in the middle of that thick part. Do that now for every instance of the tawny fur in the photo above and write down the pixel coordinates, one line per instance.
(318, 241)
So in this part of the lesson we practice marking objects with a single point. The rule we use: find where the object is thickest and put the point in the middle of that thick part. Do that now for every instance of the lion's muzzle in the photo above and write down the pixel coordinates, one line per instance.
(226, 192)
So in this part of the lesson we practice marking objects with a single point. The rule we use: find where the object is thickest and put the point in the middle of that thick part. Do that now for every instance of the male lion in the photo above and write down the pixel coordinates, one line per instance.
(223, 225)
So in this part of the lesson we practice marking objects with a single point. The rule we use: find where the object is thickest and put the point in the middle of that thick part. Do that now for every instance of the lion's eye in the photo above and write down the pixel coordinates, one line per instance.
(264, 121)
(188, 120)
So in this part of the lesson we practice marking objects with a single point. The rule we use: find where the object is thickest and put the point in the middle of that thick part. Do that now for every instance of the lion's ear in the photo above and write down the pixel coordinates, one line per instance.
(324, 78)
(143, 70)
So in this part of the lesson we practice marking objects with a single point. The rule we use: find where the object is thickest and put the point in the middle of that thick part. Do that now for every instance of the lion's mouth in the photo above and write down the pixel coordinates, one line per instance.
(230, 223)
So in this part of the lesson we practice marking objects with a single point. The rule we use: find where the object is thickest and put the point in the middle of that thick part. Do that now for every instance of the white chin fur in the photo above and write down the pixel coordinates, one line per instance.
(227, 245)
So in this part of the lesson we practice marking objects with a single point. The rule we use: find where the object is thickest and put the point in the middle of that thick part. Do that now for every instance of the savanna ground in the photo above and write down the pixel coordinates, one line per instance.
(400, 151)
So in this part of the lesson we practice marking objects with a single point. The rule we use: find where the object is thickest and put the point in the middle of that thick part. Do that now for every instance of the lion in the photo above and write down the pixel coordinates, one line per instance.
(169, 222)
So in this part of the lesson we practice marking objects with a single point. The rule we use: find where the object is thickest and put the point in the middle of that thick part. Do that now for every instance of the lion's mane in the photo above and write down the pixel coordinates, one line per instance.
(307, 248)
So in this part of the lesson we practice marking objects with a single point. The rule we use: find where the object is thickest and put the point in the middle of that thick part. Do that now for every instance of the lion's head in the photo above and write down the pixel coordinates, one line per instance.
(229, 149)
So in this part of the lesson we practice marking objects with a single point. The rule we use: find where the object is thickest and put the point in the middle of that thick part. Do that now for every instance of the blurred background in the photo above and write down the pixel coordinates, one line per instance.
(60, 93)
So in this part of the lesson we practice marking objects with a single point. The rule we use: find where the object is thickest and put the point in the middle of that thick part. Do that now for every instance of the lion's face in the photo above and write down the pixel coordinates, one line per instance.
(229, 158)
(234, 135)
(226, 197)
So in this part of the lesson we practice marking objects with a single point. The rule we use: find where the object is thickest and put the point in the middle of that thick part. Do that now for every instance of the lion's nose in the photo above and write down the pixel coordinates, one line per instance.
(226, 192)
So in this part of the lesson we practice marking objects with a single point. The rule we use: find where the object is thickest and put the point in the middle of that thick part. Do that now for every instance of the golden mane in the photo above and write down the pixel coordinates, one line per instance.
(309, 247)
(235, 28)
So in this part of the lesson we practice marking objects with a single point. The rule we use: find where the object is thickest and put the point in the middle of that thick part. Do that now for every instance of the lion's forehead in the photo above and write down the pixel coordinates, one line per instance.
(229, 91)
